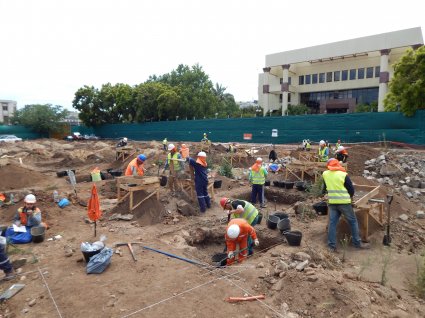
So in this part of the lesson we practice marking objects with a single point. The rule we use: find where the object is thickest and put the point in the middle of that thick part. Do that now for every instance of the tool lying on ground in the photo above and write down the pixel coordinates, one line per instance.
(249, 298)
(387, 238)
(130, 247)
(174, 256)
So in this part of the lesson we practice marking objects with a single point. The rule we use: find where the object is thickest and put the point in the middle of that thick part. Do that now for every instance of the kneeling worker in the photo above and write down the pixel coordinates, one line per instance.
(135, 167)
(237, 233)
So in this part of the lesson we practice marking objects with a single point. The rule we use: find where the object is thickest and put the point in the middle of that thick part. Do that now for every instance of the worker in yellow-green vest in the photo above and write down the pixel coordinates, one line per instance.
(175, 163)
(340, 191)
(164, 144)
(257, 177)
(323, 151)
(243, 210)
(308, 145)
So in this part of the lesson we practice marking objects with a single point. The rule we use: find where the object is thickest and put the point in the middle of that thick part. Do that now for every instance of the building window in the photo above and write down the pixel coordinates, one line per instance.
(4, 108)
(353, 74)
(314, 79)
(289, 97)
(337, 75)
(301, 80)
(369, 72)
(321, 77)
(377, 71)
(329, 77)
(280, 98)
(360, 74)
(281, 80)
(308, 79)
(289, 80)
(344, 75)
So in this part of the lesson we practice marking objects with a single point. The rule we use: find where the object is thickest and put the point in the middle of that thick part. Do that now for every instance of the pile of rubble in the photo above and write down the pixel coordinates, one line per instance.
(406, 173)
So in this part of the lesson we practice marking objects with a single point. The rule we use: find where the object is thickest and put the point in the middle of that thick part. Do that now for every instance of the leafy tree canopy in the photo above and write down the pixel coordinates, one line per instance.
(407, 87)
(364, 108)
(298, 109)
(41, 118)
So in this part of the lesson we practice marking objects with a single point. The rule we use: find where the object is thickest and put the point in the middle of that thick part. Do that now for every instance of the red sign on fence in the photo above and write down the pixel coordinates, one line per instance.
(247, 136)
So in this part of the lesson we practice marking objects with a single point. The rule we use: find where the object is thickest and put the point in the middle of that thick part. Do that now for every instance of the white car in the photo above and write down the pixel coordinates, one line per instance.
(9, 138)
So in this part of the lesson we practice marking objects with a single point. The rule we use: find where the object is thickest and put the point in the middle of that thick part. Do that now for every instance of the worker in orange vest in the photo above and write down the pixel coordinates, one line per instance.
(237, 233)
(135, 167)
(184, 151)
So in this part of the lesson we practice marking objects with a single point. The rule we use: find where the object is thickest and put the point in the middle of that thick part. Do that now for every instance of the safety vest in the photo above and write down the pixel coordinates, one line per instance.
(249, 214)
(337, 193)
(322, 155)
(308, 146)
(133, 166)
(175, 162)
(23, 217)
(258, 177)
(164, 142)
(337, 146)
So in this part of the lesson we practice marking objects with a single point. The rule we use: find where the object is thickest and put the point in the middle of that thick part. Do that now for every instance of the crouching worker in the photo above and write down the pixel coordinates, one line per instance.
(27, 216)
(201, 180)
(135, 167)
(5, 265)
(237, 233)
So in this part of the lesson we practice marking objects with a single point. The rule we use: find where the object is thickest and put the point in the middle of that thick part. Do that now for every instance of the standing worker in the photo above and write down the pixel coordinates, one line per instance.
(323, 151)
(184, 151)
(273, 154)
(164, 144)
(308, 145)
(340, 193)
(257, 177)
(174, 158)
(5, 265)
(135, 167)
(338, 144)
(237, 233)
(241, 209)
(201, 180)
(341, 154)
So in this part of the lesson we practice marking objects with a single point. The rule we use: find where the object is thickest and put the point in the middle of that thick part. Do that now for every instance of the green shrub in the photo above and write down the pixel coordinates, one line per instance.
(225, 169)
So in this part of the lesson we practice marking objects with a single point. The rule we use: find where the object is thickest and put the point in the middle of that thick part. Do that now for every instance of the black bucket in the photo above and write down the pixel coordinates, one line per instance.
(260, 218)
(38, 233)
(281, 215)
(219, 259)
(300, 185)
(321, 208)
(63, 173)
(163, 181)
(115, 173)
(284, 225)
(272, 222)
(281, 184)
(267, 183)
(293, 237)
(88, 255)
(217, 184)
(289, 184)
(276, 183)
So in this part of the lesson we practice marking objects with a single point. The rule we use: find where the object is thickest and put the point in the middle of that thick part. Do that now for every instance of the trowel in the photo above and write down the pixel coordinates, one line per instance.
(387, 238)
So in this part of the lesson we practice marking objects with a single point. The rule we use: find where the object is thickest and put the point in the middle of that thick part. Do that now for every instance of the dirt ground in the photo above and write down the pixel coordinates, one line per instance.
(346, 284)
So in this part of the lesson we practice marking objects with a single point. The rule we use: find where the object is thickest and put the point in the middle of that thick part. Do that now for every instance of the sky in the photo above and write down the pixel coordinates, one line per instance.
(51, 48)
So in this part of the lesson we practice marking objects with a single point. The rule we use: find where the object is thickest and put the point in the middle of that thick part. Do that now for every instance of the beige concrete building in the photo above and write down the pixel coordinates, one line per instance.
(334, 77)
(7, 109)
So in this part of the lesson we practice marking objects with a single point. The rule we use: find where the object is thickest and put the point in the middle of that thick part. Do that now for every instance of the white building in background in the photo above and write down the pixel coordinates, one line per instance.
(7, 109)
(334, 77)
(72, 118)
(253, 103)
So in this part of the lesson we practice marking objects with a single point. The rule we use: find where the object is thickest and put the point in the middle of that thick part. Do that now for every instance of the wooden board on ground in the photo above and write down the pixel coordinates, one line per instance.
(132, 184)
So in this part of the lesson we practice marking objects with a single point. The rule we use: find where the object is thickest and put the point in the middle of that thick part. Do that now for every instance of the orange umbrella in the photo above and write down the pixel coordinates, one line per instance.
(93, 208)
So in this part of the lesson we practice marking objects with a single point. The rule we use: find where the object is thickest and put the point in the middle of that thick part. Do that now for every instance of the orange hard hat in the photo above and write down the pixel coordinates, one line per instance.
(223, 202)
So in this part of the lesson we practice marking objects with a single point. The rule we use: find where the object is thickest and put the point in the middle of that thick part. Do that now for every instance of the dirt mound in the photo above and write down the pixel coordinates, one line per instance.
(16, 177)
(149, 212)
(357, 156)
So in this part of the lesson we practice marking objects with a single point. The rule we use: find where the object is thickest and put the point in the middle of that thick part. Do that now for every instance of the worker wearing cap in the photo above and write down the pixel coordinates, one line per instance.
(122, 142)
(340, 193)
(184, 151)
(341, 154)
(135, 167)
(241, 209)
(29, 216)
(257, 177)
(164, 144)
(323, 151)
(201, 180)
(237, 233)
(177, 166)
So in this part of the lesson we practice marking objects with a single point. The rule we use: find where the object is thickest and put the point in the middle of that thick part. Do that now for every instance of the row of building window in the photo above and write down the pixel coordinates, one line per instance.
(337, 76)
(362, 95)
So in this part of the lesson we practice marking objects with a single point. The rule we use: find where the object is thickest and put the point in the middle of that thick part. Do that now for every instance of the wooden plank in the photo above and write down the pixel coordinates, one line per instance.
(363, 200)
(150, 195)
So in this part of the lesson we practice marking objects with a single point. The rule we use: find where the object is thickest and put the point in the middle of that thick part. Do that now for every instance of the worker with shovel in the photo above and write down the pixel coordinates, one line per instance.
(201, 180)
(135, 167)
(237, 233)
(340, 193)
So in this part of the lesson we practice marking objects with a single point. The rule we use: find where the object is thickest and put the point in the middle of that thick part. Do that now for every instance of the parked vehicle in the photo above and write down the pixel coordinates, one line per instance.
(90, 137)
(74, 136)
(9, 138)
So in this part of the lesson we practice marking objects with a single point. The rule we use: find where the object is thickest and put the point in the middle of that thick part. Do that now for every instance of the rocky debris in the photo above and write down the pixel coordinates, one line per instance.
(420, 214)
(301, 256)
(122, 217)
(300, 267)
(185, 208)
(32, 302)
(403, 217)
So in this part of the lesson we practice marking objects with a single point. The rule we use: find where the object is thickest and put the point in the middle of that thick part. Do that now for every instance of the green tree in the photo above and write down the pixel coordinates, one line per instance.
(407, 87)
(41, 118)
(365, 108)
(298, 109)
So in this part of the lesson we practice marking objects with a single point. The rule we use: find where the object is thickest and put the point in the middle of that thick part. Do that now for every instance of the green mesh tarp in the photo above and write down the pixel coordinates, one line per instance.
(20, 131)
(358, 127)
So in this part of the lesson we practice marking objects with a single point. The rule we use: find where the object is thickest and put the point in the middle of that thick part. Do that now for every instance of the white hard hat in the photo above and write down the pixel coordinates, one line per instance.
(259, 159)
(125, 139)
(340, 148)
(322, 142)
(233, 231)
(202, 154)
(171, 147)
(30, 198)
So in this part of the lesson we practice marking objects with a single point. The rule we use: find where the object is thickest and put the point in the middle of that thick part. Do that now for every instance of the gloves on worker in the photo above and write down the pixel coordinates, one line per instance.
(256, 242)
(231, 255)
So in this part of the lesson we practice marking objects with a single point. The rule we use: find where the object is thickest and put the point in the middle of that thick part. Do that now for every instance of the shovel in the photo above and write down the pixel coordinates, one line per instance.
(387, 238)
